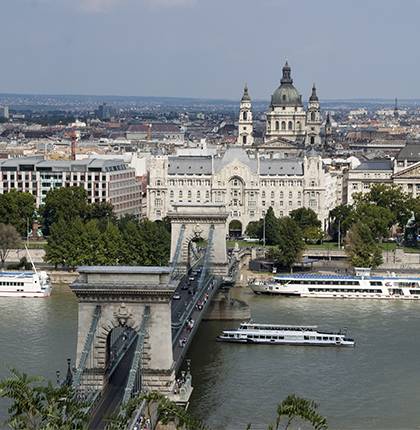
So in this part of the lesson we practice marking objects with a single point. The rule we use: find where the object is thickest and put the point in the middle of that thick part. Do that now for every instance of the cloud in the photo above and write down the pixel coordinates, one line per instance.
(99, 6)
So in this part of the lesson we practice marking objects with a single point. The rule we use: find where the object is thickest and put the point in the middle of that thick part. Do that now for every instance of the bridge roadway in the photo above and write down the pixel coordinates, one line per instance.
(192, 305)
(113, 393)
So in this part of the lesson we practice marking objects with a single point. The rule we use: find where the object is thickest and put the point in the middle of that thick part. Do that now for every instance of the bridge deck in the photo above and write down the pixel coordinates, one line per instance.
(189, 306)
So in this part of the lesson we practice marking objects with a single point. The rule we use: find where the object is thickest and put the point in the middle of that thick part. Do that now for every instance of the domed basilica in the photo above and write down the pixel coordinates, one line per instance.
(288, 124)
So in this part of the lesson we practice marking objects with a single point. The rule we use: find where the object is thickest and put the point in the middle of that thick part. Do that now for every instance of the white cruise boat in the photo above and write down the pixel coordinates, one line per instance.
(284, 335)
(24, 284)
(340, 286)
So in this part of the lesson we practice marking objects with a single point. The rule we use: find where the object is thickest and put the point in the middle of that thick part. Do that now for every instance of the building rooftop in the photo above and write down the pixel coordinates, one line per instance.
(382, 164)
(281, 167)
(39, 163)
(411, 152)
(190, 165)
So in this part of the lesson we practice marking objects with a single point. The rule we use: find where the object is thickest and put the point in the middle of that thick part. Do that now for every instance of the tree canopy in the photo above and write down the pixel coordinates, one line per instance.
(289, 243)
(9, 239)
(305, 217)
(131, 242)
(36, 404)
(254, 229)
(361, 246)
(65, 204)
(18, 209)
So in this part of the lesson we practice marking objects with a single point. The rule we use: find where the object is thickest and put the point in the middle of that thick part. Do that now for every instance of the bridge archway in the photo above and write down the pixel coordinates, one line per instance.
(235, 228)
(131, 299)
(190, 222)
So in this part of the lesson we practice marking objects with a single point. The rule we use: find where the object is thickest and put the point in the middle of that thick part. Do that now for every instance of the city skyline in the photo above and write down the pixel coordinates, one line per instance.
(201, 49)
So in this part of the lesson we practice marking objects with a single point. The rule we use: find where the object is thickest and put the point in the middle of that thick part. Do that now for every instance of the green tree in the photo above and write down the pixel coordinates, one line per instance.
(93, 245)
(66, 244)
(379, 219)
(102, 212)
(157, 241)
(64, 203)
(305, 218)
(37, 405)
(271, 228)
(254, 229)
(9, 239)
(341, 216)
(362, 248)
(294, 409)
(290, 244)
(390, 197)
(17, 209)
(112, 245)
(312, 234)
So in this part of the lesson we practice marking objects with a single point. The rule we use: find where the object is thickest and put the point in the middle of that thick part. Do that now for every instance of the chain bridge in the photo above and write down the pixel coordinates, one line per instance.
(135, 324)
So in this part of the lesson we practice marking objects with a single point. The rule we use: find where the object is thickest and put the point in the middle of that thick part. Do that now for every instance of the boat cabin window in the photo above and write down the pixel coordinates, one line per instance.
(406, 284)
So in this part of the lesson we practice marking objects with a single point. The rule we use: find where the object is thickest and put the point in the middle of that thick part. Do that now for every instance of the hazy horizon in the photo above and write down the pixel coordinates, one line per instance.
(205, 49)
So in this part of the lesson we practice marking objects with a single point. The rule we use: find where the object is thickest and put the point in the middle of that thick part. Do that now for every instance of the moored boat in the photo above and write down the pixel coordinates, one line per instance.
(340, 286)
(24, 284)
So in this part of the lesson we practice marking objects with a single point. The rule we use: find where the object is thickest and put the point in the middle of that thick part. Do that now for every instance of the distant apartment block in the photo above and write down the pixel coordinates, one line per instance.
(104, 180)
(155, 131)
(4, 112)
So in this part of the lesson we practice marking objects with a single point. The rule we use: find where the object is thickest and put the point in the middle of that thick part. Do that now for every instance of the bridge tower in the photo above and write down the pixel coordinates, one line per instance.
(195, 221)
(124, 301)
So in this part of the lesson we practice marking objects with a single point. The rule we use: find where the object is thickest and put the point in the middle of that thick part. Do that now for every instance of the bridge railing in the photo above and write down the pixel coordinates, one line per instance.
(87, 348)
(136, 363)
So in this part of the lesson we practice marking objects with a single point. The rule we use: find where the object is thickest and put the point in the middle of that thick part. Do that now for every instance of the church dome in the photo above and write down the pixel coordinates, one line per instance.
(286, 94)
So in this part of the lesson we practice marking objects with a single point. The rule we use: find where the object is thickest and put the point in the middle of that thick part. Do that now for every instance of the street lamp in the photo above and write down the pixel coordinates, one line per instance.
(264, 231)
(339, 233)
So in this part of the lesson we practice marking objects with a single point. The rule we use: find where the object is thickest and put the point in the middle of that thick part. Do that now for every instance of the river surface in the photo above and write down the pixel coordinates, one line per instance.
(374, 386)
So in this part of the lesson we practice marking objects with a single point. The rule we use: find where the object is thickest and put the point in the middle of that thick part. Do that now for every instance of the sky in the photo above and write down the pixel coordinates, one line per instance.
(210, 48)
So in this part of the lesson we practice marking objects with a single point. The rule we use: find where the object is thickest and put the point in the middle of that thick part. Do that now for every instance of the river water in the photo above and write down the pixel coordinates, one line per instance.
(374, 386)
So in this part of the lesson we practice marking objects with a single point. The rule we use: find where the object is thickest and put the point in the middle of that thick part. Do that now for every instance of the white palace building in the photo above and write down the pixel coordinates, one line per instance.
(247, 186)
(283, 172)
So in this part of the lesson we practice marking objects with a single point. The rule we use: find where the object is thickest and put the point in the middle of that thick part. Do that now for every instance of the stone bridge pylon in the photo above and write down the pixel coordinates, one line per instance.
(193, 221)
(124, 300)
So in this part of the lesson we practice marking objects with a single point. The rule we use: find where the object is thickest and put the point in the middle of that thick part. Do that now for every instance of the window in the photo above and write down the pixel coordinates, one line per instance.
(244, 140)
(180, 194)
(312, 116)
(198, 196)
(312, 140)
(283, 125)
(272, 194)
(298, 126)
(244, 116)
(290, 125)
(171, 194)
(277, 125)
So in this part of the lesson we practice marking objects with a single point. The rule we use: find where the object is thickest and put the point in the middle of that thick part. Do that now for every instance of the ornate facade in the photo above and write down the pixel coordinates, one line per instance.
(246, 186)
(245, 127)
(287, 121)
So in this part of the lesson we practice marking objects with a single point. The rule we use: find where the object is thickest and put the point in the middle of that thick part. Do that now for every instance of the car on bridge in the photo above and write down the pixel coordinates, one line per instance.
(176, 296)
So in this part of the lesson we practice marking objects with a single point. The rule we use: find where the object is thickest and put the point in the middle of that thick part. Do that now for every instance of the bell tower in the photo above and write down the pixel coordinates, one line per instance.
(313, 120)
(245, 127)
